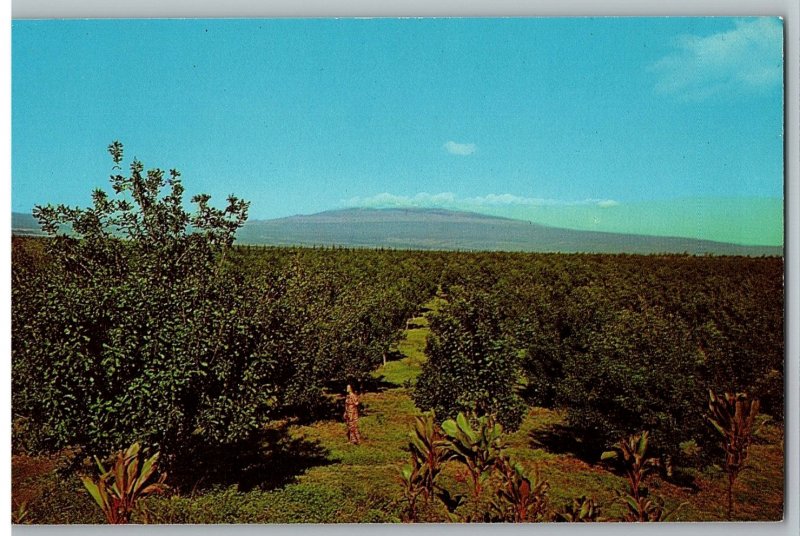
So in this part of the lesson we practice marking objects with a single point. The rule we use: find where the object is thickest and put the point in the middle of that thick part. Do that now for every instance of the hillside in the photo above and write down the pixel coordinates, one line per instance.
(449, 230)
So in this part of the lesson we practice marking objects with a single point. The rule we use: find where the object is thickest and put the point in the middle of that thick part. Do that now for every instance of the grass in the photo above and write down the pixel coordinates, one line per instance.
(359, 483)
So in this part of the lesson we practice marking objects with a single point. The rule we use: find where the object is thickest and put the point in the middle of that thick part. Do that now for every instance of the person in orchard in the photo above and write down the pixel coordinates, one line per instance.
(351, 416)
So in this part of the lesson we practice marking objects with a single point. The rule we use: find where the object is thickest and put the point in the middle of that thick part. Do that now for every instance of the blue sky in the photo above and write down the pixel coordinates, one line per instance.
(570, 122)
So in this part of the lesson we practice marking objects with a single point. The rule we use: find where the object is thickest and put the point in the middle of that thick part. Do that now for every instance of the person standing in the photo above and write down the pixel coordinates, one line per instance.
(351, 416)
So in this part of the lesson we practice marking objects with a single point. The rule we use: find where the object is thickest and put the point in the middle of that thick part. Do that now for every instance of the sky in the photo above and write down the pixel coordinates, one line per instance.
(667, 126)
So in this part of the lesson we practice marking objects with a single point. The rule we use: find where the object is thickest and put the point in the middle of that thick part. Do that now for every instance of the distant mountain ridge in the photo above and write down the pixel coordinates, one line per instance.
(441, 229)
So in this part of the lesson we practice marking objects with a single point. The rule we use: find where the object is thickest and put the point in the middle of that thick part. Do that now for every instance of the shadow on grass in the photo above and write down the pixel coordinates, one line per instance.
(361, 386)
(562, 439)
(270, 459)
(394, 355)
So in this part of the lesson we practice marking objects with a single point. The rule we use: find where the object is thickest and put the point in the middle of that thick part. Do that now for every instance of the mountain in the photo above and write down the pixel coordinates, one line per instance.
(451, 230)
(25, 225)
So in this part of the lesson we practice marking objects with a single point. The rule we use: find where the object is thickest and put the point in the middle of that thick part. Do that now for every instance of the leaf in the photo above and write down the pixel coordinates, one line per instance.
(450, 428)
(93, 491)
(464, 426)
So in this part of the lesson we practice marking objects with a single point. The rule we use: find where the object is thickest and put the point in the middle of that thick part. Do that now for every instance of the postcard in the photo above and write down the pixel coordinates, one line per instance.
(424, 270)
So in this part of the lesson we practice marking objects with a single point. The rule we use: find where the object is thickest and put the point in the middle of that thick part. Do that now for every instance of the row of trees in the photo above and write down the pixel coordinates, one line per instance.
(622, 343)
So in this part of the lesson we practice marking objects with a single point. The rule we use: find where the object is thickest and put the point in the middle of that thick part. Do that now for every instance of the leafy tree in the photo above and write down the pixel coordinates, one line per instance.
(471, 367)
(639, 371)
(139, 328)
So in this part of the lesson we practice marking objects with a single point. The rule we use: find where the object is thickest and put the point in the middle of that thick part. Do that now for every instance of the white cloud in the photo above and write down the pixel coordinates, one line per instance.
(451, 201)
(749, 57)
(461, 149)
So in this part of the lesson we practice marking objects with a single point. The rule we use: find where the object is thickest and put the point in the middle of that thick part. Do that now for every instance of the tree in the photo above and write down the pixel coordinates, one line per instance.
(471, 367)
(640, 370)
(139, 328)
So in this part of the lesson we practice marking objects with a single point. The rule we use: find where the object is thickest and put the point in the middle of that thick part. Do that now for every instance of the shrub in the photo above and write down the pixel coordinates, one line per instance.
(637, 463)
(639, 371)
(120, 488)
(733, 415)
(471, 367)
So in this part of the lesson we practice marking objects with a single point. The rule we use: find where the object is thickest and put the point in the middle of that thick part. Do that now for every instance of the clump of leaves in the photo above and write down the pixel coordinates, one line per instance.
(581, 510)
(733, 415)
(428, 450)
(518, 498)
(632, 455)
(477, 448)
(411, 480)
(120, 488)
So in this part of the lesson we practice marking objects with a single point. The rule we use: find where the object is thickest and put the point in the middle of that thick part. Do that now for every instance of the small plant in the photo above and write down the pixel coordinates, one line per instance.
(581, 510)
(119, 489)
(518, 498)
(478, 449)
(733, 415)
(646, 508)
(428, 451)
(632, 453)
(412, 482)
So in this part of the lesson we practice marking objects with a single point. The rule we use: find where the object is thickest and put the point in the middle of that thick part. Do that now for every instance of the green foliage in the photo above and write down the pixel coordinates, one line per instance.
(428, 451)
(471, 366)
(581, 510)
(518, 498)
(138, 326)
(636, 463)
(639, 371)
(477, 448)
(120, 488)
(733, 416)
(632, 455)
(413, 485)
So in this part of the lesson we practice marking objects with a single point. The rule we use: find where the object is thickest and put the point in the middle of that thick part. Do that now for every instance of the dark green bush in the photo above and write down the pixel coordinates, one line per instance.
(639, 371)
(471, 366)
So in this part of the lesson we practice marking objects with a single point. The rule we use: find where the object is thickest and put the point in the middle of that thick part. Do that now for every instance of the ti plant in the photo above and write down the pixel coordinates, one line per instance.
(632, 453)
(428, 451)
(646, 508)
(412, 481)
(519, 498)
(733, 415)
(119, 488)
(478, 449)
(581, 510)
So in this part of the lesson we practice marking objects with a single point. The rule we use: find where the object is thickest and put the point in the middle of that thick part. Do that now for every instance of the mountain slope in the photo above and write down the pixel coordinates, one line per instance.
(450, 230)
